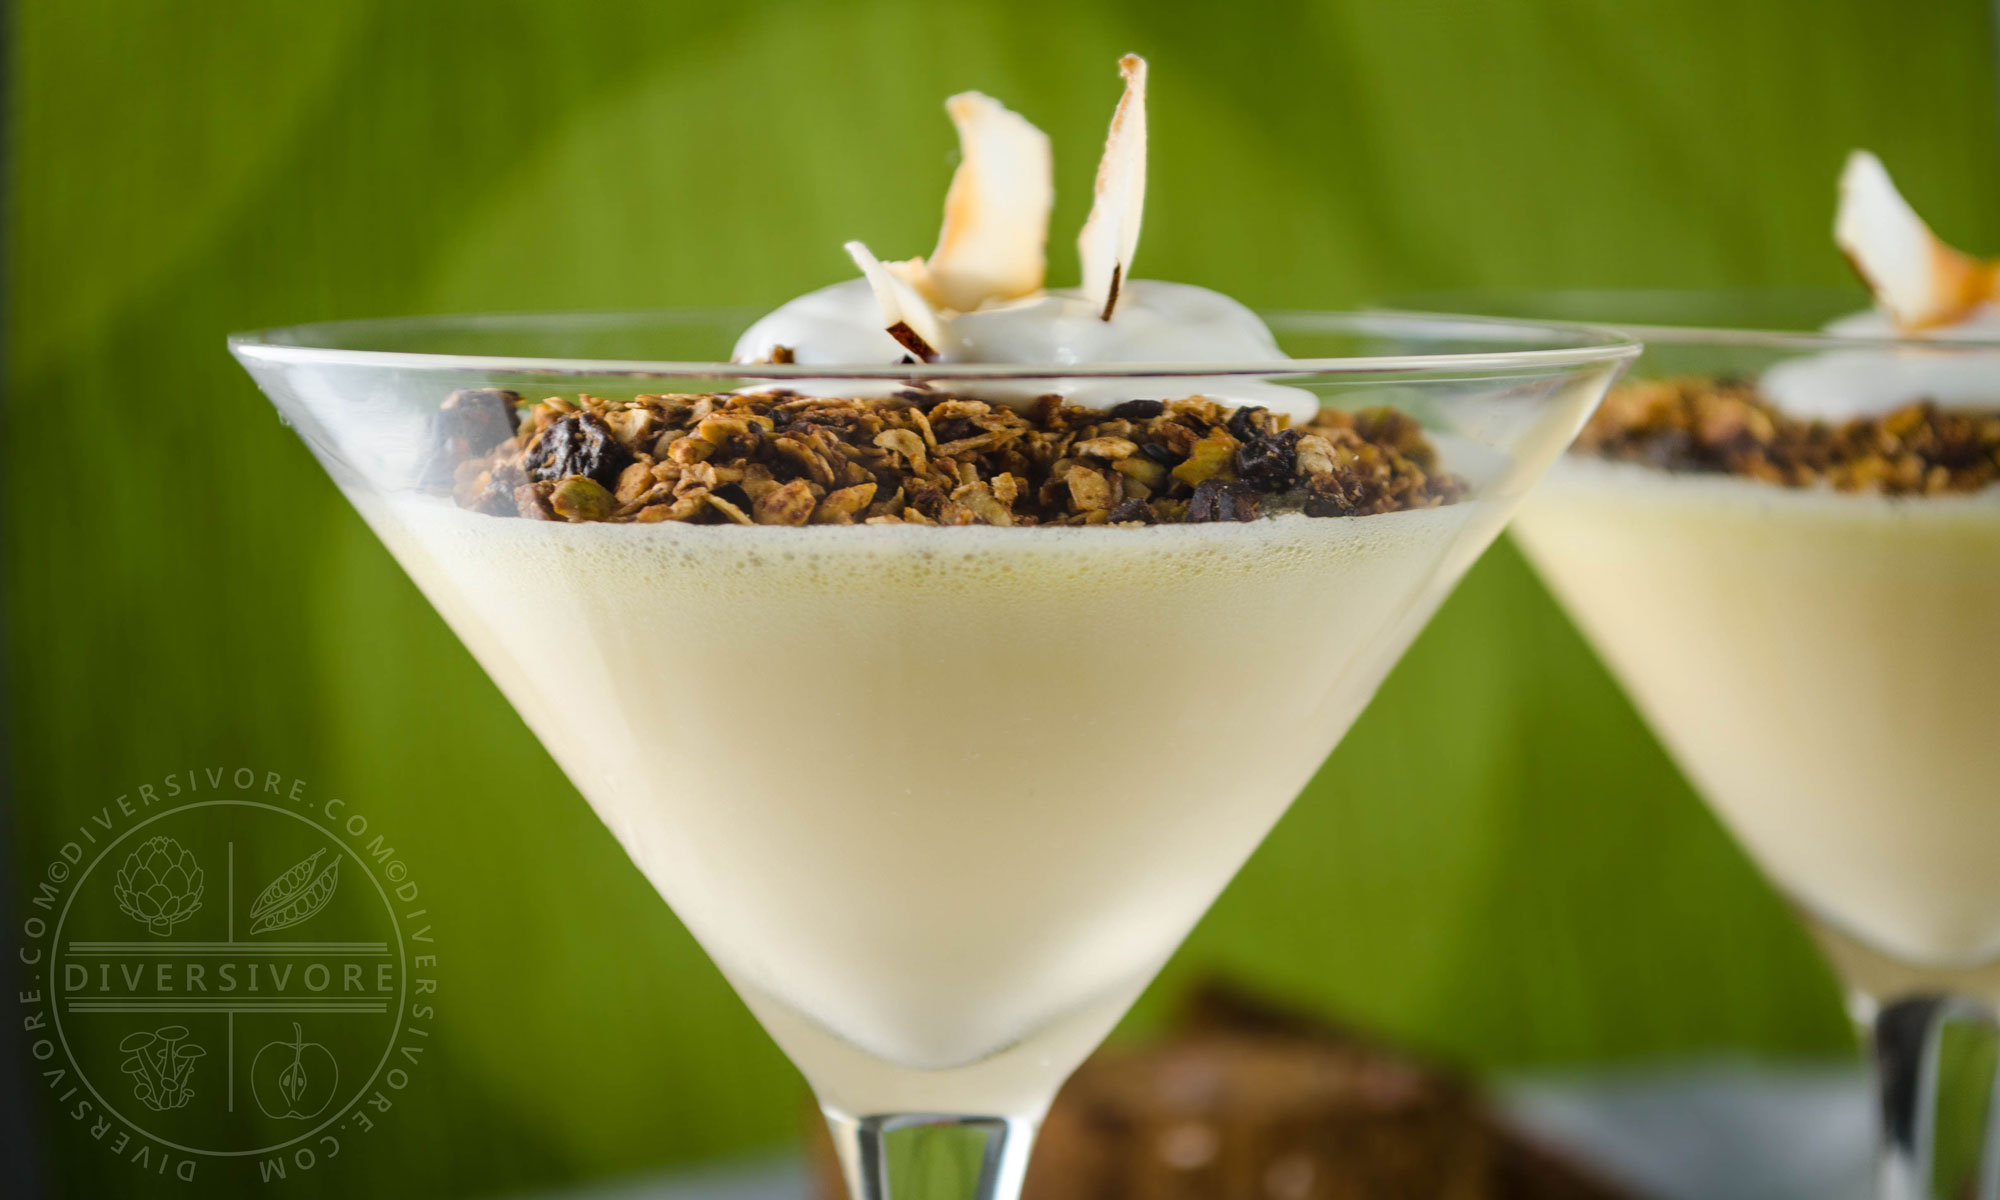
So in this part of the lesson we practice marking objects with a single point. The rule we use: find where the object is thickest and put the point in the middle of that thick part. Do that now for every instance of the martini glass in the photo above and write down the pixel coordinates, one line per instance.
(1823, 667)
(938, 802)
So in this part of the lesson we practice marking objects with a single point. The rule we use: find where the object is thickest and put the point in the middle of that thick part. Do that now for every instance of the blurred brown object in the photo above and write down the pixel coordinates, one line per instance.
(1247, 1100)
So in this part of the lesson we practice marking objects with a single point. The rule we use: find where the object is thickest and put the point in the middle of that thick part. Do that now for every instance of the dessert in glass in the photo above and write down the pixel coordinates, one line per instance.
(943, 653)
(1786, 547)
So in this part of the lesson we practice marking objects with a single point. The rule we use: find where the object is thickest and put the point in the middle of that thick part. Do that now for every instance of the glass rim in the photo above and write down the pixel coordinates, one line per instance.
(1579, 344)
(1465, 304)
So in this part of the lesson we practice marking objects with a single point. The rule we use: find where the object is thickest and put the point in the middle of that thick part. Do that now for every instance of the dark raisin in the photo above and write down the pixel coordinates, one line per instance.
(498, 497)
(1133, 510)
(925, 496)
(468, 424)
(1252, 422)
(1269, 464)
(1327, 496)
(1672, 450)
(578, 444)
(484, 413)
(1139, 410)
(1222, 500)
(1162, 453)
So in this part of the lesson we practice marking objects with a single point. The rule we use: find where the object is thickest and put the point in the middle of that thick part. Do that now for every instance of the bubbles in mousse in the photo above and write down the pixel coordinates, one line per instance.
(979, 296)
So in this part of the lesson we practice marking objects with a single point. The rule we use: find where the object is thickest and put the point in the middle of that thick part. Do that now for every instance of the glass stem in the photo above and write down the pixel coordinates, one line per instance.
(927, 1144)
(1908, 1039)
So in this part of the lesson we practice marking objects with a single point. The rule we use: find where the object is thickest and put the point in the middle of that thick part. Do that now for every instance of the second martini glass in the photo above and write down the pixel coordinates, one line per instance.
(938, 801)
(1805, 615)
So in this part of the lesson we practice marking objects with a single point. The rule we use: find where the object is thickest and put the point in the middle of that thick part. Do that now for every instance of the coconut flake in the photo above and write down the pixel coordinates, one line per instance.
(907, 316)
(1111, 235)
(1922, 282)
(993, 244)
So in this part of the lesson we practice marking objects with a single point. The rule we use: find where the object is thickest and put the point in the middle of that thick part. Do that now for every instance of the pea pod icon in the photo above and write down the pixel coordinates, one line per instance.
(295, 1079)
(296, 896)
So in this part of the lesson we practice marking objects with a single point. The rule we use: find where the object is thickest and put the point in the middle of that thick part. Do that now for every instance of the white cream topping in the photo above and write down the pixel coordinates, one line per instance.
(978, 299)
(1925, 291)
(1840, 385)
(1867, 381)
(1158, 322)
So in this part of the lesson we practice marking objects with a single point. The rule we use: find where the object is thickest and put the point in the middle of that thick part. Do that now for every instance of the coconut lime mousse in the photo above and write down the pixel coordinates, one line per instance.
(944, 858)
(1796, 576)
(942, 663)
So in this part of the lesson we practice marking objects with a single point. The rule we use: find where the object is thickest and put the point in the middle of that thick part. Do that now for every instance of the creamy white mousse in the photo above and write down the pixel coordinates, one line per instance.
(1821, 665)
(938, 806)
(979, 297)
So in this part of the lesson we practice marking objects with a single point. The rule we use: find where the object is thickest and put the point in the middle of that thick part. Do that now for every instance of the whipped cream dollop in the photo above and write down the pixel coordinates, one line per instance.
(1157, 322)
(979, 297)
(1925, 291)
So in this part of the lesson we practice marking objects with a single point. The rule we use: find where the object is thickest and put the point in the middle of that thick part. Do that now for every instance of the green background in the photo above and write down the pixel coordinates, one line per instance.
(1499, 864)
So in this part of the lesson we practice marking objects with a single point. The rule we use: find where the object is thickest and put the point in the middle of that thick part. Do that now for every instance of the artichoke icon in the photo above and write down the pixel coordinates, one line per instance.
(159, 886)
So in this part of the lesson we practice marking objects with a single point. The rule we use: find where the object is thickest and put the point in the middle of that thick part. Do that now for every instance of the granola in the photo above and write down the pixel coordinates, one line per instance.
(923, 458)
(1702, 425)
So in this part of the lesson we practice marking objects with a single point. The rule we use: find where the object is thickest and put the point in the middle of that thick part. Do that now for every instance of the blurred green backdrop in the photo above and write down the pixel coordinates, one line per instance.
(1499, 864)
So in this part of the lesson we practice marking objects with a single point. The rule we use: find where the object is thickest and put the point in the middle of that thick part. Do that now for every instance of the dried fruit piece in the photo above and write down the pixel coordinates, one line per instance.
(1213, 456)
(470, 422)
(1269, 463)
(1223, 500)
(1252, 422)
(577, 444)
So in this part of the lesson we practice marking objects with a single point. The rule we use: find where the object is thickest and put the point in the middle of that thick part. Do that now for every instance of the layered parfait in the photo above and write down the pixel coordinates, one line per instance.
(1795, 573)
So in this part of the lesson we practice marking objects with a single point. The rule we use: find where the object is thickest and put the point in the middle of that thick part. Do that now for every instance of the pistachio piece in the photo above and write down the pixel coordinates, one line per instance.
(581, 498)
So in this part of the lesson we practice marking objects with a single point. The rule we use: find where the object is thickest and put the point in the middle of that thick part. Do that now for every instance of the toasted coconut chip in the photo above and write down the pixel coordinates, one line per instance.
(905, 313)
(1922, 282)
(993, 245)
(1111, 235)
